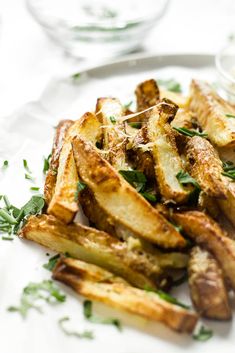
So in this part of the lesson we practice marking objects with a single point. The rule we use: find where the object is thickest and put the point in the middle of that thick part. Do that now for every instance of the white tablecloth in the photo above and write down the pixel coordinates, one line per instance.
(28, 59)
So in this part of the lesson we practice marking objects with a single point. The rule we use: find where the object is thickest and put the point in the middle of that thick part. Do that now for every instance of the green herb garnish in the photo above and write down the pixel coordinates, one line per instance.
(167, 297)
(7, 238)
(149, 197)
(51, 262)
(80, 186)
(45, 290)
(229, 170)
(189, 133)
(136, 125)
(76, 76)
(230, 116)
(171, 85)
(46, 163)
(134, 177)
(28, 177)
(184, 178)
(85, 334)
(87, 311)
(26, 167)
(5, 164)
(113, 119)
(34, 188)
(203, 335)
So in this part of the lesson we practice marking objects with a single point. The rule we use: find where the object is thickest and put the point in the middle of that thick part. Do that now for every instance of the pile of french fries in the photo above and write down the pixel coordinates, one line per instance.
(147, 232)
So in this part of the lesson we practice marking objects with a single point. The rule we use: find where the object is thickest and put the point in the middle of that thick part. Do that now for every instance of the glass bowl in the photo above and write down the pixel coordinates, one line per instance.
(225, 65)
(100, 28)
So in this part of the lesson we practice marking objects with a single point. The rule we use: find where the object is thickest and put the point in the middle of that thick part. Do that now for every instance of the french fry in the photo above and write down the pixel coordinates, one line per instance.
(49, 187)
(207, 286)
(228, 205)
(90, 282)
(204, 165)
(91, 245)
(147, 95)
(109, 110)
(120, 200)
(208, 234)
(63, 204)
(211, 111)
(165, 154)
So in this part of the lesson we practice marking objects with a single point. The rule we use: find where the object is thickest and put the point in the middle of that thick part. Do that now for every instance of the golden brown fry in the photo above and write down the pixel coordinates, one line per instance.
(165, 154)
(228, 205)
(120, 200)
(109, 110)
(204, 165)
(51, 176)
(183, 118)
(208, 234)
(104, 287)
(147, 95)
(89, 244)
(207, 286)
(211, 111)
(177, 98)
(64, 204)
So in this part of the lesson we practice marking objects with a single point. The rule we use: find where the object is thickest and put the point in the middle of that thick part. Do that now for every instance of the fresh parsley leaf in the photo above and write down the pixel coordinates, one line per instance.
(190, 133)
(113, 119)
(5, 164)
(33, 206)
(80, 186)
(33, 292)
(171, 85)
(230, 116)
(87, 311)
(136, 125)
(167, 297)
(85, 334)
(46, 163)
(149, 196)
(203, 335)
(51, 262)
(26, 167)
(134, 177)
(184, 178)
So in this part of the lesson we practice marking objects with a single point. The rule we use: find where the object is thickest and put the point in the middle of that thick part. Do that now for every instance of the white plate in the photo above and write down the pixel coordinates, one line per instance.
(27, 134)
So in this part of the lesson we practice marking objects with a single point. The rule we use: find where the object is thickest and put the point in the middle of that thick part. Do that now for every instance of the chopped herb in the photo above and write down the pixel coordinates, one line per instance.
(51, 262)
(5, 164)
(229, 170)
(76, 76)
(26, 167)
(189, 133)
(203, 335)
(34, 188)
(7, 238)
(128, 105)
(45, 290)
(85, 334)
(230, 116)
(46, 163)
(167, 297)
(134, 177)
(112, 119)
(87, 311)
(148, 196)
(80, 186)
(171, 85)
(135, 125)
(28, 177)
(184, 178)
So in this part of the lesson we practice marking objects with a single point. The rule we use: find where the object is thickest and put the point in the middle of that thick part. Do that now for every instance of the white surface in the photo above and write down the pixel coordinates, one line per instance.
(21, 261)
(28, 60)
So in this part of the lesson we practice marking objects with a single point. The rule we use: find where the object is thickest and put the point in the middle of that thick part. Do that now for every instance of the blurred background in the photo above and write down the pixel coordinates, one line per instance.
(40, 39)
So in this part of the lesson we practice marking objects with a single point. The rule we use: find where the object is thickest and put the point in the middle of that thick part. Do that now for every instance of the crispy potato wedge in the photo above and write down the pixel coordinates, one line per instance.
(120, 200)
(204, 165)
(211, 112)
(147, 95)
(89, 244)
(177, 98)
(208, 234)
(63, 204)
(109, 110)
(165, 154)
(228, 205)
(51, 176)
(183, 118)
(207, 286)
(90, 282)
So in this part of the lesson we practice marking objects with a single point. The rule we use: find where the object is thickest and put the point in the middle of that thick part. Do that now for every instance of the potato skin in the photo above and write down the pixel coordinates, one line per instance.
(207, 286)
(204, 165)
(60, 134)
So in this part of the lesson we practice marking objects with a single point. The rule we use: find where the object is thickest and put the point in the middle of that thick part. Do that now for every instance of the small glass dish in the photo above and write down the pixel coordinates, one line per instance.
(225, 65)
(98, 28)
